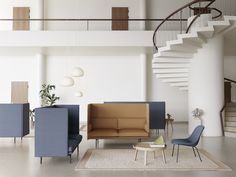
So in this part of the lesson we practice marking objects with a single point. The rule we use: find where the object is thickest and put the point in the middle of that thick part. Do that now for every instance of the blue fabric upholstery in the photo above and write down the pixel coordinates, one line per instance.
(192, 140)
(74, 141)
(56, 130)
(14, 120)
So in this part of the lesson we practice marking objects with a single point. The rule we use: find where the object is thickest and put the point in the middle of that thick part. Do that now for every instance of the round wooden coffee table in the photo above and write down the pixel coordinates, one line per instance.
(145, 146)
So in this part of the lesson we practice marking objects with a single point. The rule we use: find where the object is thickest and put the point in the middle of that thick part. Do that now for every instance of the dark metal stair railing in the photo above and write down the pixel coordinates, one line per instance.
(188, 5)
(223, 108)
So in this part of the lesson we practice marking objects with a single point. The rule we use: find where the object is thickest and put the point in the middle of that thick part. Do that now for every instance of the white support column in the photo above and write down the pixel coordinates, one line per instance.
(143, 15)
(39, 25)
(143, 64)
(206, 86)
(41, 74)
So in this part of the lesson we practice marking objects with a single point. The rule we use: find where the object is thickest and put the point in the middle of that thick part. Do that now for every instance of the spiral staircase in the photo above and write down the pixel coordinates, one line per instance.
(172, 62)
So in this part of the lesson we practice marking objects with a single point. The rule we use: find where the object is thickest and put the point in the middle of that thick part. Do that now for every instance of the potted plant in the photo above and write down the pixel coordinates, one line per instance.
(47, 96)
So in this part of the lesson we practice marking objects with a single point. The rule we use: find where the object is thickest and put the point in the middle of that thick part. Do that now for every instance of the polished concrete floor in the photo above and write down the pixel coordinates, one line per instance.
(18, 159)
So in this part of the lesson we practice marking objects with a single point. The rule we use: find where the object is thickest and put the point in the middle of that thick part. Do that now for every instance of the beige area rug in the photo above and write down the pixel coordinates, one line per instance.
(123, 159)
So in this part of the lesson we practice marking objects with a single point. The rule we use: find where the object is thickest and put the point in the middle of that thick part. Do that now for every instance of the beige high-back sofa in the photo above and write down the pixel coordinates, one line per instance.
(108, 121)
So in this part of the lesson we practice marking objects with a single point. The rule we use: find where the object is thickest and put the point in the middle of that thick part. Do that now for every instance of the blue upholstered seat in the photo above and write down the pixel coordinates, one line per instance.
(73, 142)
(191, 141)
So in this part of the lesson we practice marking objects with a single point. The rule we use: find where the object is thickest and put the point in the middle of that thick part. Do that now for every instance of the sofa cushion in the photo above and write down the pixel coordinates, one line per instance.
(103, 133)
(131, 123)
(132, 133)
(104, 123)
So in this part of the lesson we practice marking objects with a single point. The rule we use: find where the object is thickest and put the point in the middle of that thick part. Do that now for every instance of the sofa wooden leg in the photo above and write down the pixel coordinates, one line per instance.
(139, 140)
(14, 140)
(97, 143)
(41, 160)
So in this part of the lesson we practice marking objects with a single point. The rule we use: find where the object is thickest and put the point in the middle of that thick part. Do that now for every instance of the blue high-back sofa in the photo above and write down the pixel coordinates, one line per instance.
(157, 111)
(14, 120)
(57, 131)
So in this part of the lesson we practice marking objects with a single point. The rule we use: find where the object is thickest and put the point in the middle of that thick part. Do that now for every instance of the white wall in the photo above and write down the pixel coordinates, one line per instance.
(106, 78)
(176, 100)
(230, 73)
(88, 9)
(18, 69)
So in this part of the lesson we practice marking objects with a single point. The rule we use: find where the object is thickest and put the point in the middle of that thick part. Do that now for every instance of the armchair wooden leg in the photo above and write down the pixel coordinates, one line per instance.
(173, 150)
(77, 152)
(177, 159)
(198, 154)
(194, 151)
(41, 160)
(14, 140)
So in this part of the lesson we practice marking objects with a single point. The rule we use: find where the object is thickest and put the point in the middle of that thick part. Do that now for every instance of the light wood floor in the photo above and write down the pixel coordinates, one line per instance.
(17, 160)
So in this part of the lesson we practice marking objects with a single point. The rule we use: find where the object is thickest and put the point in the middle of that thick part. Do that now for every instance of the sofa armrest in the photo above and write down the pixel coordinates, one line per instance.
(146, 127)
(51, 132)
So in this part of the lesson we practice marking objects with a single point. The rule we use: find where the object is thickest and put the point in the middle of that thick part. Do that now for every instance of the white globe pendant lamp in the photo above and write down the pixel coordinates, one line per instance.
(78, 94)
(67, 81)
(77, 72)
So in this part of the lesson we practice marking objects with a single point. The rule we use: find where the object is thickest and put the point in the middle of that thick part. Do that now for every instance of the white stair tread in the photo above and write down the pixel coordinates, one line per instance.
(170, 60)
(230, 123)
(172, 80)
(164, 65)
(179, 84)
(183, 88)
(230, 134)
(176, 75)
(170, 71)
(173, 55)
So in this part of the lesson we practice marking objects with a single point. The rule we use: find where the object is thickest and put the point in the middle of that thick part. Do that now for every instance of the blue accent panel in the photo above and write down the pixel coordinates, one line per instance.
(14, 120)
(56, 130)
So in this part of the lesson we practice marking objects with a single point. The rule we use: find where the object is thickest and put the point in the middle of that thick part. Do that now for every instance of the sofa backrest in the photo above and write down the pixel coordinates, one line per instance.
(157, 112)
(118, 116)
(73, 117)
(51, 132)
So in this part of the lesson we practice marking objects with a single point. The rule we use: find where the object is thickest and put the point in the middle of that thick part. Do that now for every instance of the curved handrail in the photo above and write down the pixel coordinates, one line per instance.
(223, 108)
(180, 9)
(230, 80)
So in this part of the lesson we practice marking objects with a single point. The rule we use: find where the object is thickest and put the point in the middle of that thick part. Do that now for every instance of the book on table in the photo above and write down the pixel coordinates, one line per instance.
(159, 142)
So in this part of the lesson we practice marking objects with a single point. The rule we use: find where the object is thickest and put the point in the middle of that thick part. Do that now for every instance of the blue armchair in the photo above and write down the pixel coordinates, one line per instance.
(14, 120)
(191, 141)
(57, 131)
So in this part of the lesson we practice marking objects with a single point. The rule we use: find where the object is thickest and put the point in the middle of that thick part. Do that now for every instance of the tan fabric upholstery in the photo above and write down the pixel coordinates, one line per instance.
(118, 120)
(98, 133)
(108, 123)
(132, 123)
(133, 133)
(119, 110)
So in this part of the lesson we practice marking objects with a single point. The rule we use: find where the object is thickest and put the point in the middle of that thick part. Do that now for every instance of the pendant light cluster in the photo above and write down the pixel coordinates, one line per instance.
(68, 81)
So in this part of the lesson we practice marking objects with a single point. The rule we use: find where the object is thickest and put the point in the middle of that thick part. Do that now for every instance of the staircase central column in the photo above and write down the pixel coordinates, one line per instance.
(206, 86)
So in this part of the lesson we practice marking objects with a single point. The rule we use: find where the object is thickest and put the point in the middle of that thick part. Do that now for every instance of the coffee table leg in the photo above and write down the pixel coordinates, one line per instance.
(163, 156)
(145, 158)
(136, 153)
